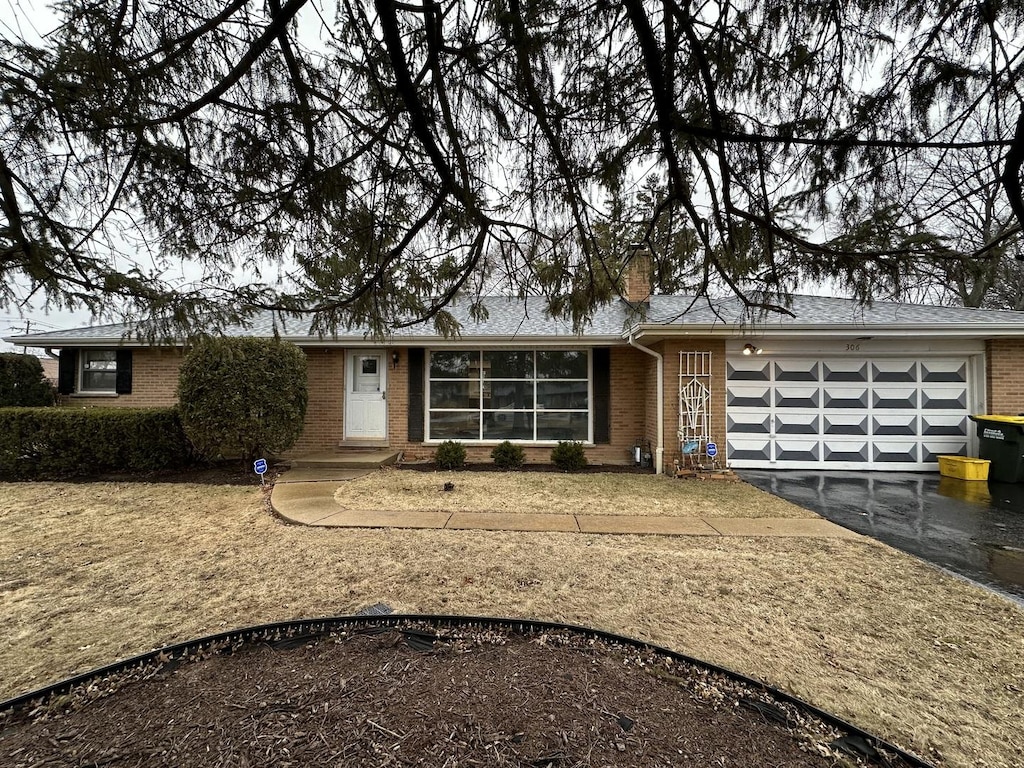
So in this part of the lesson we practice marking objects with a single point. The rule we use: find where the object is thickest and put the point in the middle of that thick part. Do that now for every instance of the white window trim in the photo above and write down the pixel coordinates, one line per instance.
(80, 389)
(427, 410)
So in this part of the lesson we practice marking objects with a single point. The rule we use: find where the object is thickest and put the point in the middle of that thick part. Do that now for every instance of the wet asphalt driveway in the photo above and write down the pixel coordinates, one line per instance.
(972, 528)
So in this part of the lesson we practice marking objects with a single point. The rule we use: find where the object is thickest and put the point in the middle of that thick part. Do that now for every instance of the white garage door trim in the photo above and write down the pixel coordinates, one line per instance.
(880, 411)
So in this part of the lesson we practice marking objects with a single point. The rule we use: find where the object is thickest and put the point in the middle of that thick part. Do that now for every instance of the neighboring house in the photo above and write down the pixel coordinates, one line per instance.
(886, 387)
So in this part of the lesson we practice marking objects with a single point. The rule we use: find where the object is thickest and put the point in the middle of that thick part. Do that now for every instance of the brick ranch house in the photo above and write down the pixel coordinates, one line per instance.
(886, 387)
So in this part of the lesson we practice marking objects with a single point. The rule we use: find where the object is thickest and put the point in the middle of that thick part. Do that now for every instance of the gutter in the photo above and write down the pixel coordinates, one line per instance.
(659, 451)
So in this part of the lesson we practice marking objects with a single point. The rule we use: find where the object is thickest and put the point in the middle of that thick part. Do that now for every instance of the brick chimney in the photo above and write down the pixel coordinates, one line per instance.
(636, 283)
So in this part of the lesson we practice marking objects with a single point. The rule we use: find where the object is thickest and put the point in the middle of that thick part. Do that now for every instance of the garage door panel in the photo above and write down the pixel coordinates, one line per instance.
(933, 424)
(943, 370)
(894, 424)
(904, 399)
(797, 450)
(844, 370)
(845, 397)
(932, 449)
(748, 369)
(893, 370)
(845, 451)
(797, 370)
(749, 424)
(881, 413)
(797, 424)
(787, 396)
(845, 424)
(888, 452)
(749, 396)
(944, 399)
(744, 449)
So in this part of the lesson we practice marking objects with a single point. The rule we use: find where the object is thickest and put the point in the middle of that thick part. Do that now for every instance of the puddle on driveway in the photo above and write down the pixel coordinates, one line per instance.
(972, 528)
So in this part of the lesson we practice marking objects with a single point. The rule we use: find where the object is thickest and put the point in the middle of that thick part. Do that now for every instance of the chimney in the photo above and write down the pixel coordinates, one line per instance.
(636, 287)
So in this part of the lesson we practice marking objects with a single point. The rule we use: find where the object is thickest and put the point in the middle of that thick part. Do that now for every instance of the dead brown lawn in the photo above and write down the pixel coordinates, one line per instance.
(94, 572)
(553, 493)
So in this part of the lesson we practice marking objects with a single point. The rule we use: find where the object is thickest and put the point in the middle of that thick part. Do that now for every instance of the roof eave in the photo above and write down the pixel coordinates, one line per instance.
(57, 342)
(722, 330)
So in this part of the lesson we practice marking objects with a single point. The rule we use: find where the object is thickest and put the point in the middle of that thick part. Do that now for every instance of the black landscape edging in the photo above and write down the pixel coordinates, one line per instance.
(309, 628)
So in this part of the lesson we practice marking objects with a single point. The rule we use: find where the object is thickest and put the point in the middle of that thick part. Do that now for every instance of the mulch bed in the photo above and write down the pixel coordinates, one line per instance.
(489, 466)
(383, 697)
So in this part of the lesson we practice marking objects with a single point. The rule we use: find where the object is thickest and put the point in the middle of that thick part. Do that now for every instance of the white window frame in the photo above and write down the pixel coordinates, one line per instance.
(80, 387)
(483, 385)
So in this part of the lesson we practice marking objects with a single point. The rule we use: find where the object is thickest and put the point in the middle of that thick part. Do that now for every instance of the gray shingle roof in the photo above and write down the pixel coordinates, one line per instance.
(818, 311)
(512, 319)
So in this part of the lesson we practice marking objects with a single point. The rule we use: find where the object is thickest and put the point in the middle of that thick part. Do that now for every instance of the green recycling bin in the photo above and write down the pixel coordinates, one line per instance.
(1001, 441)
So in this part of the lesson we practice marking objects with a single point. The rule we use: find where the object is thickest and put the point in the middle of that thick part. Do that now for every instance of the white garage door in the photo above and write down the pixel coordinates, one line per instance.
(838, 413)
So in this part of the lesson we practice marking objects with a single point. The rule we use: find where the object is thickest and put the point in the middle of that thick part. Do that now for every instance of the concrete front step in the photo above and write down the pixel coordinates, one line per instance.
(349, 459)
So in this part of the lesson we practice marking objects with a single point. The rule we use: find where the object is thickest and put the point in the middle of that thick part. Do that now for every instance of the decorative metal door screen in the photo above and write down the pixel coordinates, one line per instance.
(694, 407)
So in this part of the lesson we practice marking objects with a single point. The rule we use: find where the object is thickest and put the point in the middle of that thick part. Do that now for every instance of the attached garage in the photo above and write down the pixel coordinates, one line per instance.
(878, 405)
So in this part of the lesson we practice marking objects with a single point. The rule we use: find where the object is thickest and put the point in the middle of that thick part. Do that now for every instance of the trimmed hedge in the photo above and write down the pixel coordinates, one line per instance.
(54, 443)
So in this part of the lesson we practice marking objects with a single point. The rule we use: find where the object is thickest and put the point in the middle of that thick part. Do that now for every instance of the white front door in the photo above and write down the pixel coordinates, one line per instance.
(366, 405)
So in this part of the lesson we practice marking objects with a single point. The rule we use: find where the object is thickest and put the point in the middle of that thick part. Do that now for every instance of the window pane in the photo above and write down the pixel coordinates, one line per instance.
(99, 381)
(508, 425)
(562, 365)
(462, 425)
(452, 365)
(99, 370)
(454, 394)
(562, 394)
(508, 365)
(509, 394)
(562, 426)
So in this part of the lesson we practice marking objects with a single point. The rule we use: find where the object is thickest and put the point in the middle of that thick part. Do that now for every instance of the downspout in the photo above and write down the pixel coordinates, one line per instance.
(659, 451)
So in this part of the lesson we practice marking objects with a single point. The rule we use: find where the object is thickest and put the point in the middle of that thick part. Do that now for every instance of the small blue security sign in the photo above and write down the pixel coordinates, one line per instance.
(260, 466)
(711, 450)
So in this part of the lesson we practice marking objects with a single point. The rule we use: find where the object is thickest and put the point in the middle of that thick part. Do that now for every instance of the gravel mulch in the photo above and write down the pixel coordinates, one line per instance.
(384, 697)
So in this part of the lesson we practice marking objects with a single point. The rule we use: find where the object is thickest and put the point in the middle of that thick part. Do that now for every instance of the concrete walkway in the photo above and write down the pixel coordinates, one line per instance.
(306, 497)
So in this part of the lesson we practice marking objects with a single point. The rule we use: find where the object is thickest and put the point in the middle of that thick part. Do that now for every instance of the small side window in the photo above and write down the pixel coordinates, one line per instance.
(99, 371)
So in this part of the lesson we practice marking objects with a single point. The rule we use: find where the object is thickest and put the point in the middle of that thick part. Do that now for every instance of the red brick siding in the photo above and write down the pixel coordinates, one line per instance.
(1004, 376)
(671, 350)
(325, 412)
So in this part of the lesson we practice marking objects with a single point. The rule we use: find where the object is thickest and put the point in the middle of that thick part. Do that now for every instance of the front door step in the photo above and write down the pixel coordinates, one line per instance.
(361, 459)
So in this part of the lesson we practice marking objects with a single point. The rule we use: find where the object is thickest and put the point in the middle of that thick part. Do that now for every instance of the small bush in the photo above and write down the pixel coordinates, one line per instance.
(508, 455)
(450, 455)
(568, 456)
(22, 382)
(76, 442)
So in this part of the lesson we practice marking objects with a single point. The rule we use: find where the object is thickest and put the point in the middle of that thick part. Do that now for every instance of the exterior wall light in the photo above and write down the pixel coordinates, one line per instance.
(750, 349)
(394, 359)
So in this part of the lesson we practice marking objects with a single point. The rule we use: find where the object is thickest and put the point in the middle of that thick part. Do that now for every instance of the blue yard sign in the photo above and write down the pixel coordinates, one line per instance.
(711, 450)
(260, 465)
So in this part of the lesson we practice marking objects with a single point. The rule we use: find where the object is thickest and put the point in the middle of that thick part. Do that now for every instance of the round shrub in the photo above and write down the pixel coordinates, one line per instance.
(508, 455)
(450, 455)
(242, 397)
(22, 382)
(568, 456)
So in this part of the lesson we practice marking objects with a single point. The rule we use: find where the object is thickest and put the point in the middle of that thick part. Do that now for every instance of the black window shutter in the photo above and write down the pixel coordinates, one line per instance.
(67, 371)
(123, 382)
(416, 371)
(602, 358)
